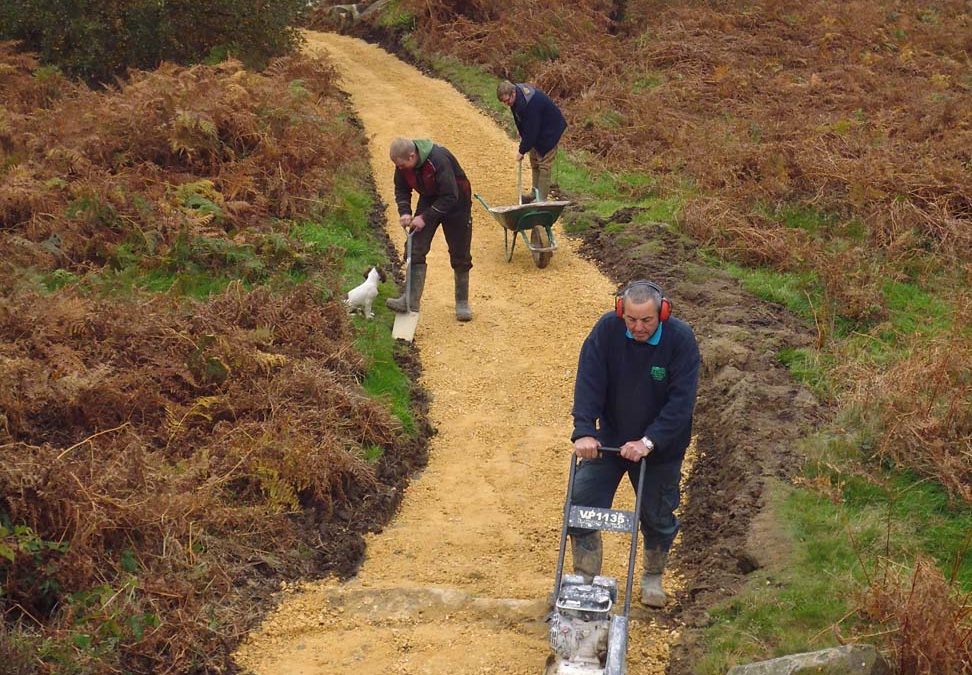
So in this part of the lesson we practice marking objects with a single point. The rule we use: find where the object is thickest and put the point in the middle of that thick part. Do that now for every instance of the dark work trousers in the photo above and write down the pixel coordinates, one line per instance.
(457, 227)
(596, 483)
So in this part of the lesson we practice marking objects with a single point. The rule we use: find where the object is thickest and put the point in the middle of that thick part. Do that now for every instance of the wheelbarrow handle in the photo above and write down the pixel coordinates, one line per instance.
(519, 182)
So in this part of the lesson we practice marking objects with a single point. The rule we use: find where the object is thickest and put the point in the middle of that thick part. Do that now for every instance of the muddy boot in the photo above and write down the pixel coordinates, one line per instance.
(463, 313)
(537, 182)
(543, 186)
(652, 594)
(587, 552)
(418, 284)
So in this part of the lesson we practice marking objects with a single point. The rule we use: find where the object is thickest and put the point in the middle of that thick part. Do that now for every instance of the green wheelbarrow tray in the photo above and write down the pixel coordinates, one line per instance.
(537, 218)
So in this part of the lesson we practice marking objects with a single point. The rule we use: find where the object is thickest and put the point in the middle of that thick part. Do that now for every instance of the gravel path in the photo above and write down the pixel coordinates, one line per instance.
(455, 583)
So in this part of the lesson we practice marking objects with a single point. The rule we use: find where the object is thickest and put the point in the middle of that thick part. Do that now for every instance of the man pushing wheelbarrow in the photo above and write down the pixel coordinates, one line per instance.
(540, 125)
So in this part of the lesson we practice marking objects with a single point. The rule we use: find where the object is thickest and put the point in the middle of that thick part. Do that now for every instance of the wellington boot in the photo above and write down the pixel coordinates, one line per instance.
(463, 312)
(417, 286)
(652, 593)
(587, 553)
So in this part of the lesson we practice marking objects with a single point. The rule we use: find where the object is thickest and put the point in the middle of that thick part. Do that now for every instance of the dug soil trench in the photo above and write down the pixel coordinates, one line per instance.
(455, 583)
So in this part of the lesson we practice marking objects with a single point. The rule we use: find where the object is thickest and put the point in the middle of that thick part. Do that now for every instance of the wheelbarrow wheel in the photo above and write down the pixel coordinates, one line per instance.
(538, 237)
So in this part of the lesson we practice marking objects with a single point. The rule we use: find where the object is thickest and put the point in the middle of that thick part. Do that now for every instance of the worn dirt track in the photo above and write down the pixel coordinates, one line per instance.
(455, 583)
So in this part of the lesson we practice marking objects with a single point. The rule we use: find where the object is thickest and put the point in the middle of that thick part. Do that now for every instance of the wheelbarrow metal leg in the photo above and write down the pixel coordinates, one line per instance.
(541, 251)
(550, 237)
(507, 245)
(540, 247)
(526, 242)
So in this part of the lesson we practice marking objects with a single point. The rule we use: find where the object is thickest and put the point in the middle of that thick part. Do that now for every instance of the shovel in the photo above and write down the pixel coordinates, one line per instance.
(405, 324)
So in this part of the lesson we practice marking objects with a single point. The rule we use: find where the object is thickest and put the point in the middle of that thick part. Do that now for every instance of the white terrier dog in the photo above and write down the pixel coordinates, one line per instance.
(362, 296)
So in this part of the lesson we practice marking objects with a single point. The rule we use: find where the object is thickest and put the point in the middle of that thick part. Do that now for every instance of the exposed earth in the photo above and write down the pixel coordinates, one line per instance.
(456, 581)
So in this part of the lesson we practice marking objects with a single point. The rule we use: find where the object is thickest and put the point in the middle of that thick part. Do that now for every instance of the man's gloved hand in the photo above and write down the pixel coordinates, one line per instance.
(587, 447)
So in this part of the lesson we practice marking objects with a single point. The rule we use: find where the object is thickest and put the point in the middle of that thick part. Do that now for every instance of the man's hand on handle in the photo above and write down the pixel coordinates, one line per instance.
(635, 450)
(587, 447)
(413, 223)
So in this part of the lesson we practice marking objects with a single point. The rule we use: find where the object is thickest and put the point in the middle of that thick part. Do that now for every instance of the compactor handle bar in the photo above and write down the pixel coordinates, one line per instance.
(633, 553)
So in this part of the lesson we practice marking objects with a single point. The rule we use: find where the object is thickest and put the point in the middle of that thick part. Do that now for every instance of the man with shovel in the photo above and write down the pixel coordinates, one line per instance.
(540, 124)
(445, 197)
(635, 390)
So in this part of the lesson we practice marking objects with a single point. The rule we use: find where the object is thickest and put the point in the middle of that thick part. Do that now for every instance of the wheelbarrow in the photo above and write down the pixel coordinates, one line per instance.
(536, 217)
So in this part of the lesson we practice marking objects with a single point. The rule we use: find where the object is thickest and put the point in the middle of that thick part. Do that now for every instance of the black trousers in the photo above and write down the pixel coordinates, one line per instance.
(457, 227)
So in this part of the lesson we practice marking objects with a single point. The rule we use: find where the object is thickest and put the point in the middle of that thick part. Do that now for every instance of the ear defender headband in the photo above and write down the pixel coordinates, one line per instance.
(664, 309)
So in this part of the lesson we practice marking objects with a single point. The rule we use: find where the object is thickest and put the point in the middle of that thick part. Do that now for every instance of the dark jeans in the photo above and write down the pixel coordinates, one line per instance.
(596, 483)
(457, 227)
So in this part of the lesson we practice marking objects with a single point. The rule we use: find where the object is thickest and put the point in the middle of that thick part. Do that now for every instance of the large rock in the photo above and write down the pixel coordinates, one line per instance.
(847, 660)
(348, 14)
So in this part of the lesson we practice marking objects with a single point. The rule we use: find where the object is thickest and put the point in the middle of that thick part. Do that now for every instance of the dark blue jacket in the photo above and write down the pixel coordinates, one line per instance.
(627, 389)
(538, 119)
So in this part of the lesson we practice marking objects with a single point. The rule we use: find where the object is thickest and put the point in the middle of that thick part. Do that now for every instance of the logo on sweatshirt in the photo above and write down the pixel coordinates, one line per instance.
(658, 373)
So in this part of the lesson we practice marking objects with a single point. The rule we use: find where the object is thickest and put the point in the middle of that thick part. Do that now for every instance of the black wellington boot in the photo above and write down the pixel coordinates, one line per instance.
(418, 285)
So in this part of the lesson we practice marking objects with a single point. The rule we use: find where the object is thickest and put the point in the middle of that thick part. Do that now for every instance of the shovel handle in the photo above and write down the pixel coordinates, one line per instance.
(408, 270)
(519, 182)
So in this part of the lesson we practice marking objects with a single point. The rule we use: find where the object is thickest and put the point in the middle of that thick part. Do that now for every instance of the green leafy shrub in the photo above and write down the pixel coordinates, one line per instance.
(99, 39)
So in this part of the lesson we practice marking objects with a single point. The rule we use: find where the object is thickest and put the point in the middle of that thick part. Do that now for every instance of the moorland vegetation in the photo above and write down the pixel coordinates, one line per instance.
(185, 409)
(172, 244)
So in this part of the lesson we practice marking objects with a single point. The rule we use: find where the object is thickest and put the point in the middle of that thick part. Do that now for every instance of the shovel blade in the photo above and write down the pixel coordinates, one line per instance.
(405, 325)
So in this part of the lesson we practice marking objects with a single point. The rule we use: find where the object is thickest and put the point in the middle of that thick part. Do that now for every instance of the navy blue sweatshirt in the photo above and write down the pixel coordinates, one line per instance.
(626, 389)
(538, 119)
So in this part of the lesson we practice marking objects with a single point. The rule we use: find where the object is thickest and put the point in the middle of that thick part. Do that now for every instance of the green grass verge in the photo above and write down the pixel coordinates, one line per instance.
(384, 379)
(604, 194)
(346, 229)
(831, 543)
(783, 608)
(910, 309)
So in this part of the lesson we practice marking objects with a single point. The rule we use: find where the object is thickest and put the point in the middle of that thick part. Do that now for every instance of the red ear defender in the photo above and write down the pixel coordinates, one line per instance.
(664, 311)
